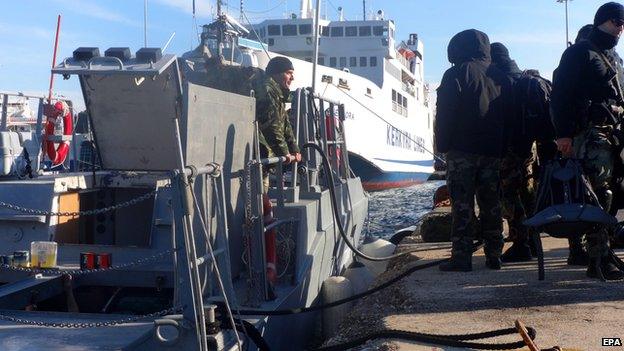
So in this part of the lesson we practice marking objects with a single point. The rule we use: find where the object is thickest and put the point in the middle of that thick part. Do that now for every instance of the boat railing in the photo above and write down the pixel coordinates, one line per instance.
(317, 120)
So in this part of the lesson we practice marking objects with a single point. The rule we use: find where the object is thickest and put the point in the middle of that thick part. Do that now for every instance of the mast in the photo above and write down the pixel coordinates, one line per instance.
(316, 43)
(363, 10)
(145, 23)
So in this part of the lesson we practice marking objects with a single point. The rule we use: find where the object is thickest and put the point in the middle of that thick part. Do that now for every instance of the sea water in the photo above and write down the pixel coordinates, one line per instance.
(394, 209)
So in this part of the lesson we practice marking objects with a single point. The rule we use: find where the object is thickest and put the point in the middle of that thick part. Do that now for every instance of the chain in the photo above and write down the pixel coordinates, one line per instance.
(82, 325)
(80, 213)
(138, 262)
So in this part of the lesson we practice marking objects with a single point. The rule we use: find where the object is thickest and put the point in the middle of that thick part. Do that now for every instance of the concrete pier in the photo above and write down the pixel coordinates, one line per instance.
(567, 308)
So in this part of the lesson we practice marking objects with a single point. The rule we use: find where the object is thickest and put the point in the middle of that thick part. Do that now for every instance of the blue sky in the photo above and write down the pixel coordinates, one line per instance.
(533, 30)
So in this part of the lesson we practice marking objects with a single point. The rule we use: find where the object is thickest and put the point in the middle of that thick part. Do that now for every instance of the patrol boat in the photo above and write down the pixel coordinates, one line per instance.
(159, 247)
(380, 80)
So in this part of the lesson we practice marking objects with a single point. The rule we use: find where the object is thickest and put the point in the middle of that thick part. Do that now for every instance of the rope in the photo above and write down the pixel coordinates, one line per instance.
(390, 124)
(438, 339)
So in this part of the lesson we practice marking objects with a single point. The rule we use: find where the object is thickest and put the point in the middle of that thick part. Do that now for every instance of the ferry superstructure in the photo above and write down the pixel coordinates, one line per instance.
(389, 119)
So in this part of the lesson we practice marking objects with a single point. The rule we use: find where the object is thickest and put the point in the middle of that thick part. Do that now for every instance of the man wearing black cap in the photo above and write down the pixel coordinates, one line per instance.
(586, 103)
(272, 93)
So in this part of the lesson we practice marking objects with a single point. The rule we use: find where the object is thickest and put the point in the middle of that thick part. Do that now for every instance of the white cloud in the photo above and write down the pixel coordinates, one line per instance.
(203, 8)
(91, 9)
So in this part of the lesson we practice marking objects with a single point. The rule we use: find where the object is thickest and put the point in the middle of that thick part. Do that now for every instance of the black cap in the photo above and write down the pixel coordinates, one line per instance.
(499, 52)
(279, 64)
(608, 11)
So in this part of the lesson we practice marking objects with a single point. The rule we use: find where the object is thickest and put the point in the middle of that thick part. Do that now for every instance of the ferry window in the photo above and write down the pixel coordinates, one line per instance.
(394, 95)
(305, 28)
(362, 61)
(321, 61)
(378, 31)
(274, 30)
(289, 29)
(352, 61)
(350, 31)
(343, 62)
(365, 31)
(404, 102)
(271, 41)
(332, 62)
(368, 91)
(373, 61)
(337, 31)
(324, 31)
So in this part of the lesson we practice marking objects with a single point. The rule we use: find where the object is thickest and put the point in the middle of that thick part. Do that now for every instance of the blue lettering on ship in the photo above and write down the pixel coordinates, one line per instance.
(404, 140)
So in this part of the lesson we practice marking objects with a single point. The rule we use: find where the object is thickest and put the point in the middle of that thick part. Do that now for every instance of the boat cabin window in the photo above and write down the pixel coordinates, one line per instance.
(337, 31)
(362, 61)
(289, 29)
(271, 41)
(373, 61)
(324, 31)
(365, 31)
(351, 31)
(274, 29)
(321, 61)
(343, 62)
(352, 61)
(305, 29)
(378, 31)
(332, 62)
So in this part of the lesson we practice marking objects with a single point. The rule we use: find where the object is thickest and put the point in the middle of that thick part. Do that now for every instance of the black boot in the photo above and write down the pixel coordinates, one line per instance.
(517, 253)
(578, 256)
(455, 264)
(493, 262)
(604, 269)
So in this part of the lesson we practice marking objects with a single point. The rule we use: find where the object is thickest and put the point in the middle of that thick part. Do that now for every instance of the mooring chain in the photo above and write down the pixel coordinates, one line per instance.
(83, 325)
(33, 211)
(138, 262)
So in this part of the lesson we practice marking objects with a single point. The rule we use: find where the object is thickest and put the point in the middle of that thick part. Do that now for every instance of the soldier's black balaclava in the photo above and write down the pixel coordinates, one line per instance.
(606, 12)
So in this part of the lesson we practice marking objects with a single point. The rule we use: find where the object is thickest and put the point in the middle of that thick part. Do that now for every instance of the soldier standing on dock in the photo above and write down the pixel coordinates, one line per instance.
(586, 105)
(473, 101)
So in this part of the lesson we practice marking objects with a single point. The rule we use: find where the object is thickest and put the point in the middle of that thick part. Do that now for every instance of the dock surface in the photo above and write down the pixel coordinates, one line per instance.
(567, 309)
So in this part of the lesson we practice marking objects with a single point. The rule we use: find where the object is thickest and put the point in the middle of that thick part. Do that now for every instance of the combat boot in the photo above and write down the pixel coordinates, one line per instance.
(455, 264)
(604, 269)
(492, 262)
(517, 253)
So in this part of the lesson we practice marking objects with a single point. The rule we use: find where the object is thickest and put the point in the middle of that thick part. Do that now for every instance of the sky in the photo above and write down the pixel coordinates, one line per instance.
(533, 30)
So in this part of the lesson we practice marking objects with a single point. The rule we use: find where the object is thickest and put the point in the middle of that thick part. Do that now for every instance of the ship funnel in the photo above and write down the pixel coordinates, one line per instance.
(340, 14)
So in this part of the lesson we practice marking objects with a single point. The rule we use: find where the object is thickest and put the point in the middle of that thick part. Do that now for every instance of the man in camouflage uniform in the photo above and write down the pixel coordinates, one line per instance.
(473, 102)
(585, 96)
(272, 91)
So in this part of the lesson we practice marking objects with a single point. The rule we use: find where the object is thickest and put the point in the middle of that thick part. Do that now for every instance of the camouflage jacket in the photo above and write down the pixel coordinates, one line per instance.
(276, 133)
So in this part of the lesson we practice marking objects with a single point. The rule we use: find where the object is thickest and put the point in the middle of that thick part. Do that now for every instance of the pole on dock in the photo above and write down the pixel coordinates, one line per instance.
(317, 29)
(58, 29)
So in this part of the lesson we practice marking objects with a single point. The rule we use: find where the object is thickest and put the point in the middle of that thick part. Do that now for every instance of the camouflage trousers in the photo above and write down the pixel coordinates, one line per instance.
(469, 175)
(594, 147)
(518, 188)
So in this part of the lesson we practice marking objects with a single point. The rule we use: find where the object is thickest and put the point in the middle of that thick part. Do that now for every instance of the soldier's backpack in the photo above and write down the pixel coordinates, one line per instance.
(533, 94)
(566, 204)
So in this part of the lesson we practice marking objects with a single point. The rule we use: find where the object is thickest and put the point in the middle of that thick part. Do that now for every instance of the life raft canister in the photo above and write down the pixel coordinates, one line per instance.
(270, 237)
(57, 154)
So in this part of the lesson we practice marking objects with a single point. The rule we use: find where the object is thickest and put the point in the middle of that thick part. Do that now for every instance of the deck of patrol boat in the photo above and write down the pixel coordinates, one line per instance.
(567, 308)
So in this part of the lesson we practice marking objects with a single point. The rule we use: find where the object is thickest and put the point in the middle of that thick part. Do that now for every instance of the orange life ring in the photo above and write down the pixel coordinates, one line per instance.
(58, 154)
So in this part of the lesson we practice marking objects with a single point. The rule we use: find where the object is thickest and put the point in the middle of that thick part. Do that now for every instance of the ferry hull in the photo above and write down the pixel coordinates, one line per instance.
(375, 179)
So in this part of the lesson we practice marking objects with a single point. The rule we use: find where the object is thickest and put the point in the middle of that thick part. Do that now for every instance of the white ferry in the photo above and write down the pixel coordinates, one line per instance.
(381, 82)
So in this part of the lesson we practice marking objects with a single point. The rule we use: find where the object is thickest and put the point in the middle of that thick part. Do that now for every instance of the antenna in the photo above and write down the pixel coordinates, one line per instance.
(241, 11)
(566, 19)
(363, 10)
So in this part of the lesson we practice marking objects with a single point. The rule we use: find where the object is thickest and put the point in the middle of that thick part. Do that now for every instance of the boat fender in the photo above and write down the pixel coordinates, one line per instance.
(335, 288)
(377, 248)
(269, 240)
(57, 154)
(361, 278)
